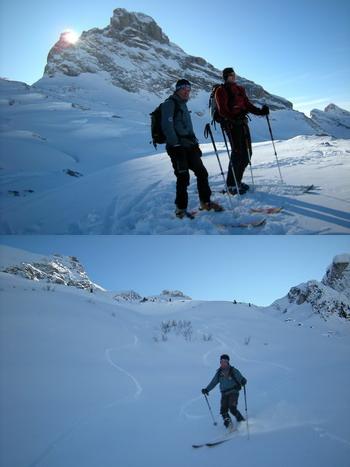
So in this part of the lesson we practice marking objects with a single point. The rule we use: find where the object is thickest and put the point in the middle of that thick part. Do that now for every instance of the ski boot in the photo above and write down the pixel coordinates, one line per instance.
(210, 206)
(233, 190)
(181, 213)
(228, 423)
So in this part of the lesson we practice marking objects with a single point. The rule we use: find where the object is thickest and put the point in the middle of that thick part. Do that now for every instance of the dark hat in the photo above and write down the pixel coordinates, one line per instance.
(225, 357)
(226, 72)
(182, 83)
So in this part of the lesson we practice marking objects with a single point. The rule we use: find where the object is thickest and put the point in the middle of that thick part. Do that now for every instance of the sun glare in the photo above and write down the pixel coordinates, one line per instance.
(71, 36)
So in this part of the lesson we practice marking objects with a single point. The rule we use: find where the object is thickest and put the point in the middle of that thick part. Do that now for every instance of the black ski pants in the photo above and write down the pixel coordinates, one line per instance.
(192, 161)
(241, 150)
(229, 403)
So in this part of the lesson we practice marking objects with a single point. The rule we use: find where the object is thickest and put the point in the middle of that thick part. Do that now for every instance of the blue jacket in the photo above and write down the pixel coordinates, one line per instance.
(230, 383)
(176, 123)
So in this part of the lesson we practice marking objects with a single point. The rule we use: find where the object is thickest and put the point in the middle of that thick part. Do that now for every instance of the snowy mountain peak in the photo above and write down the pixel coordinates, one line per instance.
(330, 296)
(134, 54)
(333, 119)
(138, 27)
(338, 274)
(57, 269)
(332, 108)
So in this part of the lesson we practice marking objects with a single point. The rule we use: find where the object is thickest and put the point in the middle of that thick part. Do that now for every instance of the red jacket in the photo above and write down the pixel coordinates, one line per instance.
(235, 105)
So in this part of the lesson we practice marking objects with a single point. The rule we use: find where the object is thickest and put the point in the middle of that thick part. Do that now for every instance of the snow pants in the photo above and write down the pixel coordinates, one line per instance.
(194, 163)
(229, 403)
(241, 150)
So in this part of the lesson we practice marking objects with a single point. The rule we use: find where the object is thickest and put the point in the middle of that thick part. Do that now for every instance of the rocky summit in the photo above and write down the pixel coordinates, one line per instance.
(137, 55)
(328, 297)
(56, 269)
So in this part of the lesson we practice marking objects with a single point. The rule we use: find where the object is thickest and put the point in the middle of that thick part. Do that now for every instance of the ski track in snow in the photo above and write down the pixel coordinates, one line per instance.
(88, 416)
(122, 370)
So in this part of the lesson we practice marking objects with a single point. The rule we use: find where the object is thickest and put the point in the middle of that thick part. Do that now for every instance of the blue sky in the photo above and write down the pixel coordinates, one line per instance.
(298, 49)
(249, 269)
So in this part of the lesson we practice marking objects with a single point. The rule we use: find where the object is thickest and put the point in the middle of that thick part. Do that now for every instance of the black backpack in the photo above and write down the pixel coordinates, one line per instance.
(157, 134)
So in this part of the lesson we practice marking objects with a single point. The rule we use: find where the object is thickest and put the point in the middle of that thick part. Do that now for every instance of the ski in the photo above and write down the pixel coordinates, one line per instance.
(216, 441)
(308, 188)
(272, 210)
(258, 223)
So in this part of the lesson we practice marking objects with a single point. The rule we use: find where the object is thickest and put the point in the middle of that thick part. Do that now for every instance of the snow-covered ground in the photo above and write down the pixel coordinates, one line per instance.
(88, 381)
(76, 159)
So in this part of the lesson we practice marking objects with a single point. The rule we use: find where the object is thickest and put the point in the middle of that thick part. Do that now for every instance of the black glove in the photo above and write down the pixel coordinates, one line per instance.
(179, 153)
(205, 391)
(265, 110)
(243, 382)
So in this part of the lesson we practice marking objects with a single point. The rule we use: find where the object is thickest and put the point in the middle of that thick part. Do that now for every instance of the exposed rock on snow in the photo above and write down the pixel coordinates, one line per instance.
(338, 275)
(138, 55)
(165, 296)
(330, 296)
(334, 120)
(56, 269)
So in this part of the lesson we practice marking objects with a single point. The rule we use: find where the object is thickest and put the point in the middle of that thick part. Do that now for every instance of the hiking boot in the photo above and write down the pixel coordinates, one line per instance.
(228, 422)
(244, 186)
(180, 212)
(239, 416)
(210, 205)
(233, 190)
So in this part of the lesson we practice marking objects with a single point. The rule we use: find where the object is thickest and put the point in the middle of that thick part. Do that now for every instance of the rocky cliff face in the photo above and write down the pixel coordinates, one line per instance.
(138, 56)
(57, 270)
(330, 296)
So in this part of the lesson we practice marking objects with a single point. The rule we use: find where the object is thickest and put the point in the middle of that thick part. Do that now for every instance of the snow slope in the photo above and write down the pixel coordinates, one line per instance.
(89, 381)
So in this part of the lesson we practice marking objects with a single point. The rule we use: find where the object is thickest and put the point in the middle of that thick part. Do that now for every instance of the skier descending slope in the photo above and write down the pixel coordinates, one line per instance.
(231, 382)
(183, 149)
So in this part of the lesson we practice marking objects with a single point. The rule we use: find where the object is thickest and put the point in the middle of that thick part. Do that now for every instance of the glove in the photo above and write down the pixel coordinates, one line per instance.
(243, 382)
(265, 110)
(205, 391)
(179, 153)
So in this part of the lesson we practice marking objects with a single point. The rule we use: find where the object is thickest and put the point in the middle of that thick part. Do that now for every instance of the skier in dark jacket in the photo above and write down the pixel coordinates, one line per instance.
(233, 106)
(231, 382)
(183, 149)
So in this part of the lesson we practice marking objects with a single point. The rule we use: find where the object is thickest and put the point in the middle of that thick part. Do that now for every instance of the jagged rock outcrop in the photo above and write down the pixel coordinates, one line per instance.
(57, 270)
(330, 296)
(138, 56)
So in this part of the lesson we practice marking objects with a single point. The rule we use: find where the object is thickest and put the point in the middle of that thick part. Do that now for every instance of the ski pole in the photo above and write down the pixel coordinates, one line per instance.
(230, 162)
(274, 147)
(246, 409)
(211, 413)
(248, 144)
(207, 131)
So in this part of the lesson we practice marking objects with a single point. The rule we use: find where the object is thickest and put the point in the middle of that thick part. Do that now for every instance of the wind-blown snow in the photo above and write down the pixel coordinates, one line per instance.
(89, 381)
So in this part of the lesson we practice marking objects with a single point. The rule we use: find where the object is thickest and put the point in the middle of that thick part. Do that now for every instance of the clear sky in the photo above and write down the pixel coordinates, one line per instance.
(296, 49)
(246, 268)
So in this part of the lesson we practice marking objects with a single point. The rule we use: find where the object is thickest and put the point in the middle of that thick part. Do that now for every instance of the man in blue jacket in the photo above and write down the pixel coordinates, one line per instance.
(231, 382)
(184, 151)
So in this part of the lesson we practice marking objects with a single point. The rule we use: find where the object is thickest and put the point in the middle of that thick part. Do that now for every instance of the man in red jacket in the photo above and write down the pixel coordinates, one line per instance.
(233, 106)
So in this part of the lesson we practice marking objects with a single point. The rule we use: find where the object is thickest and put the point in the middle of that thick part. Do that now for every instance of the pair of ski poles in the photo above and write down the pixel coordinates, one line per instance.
(208, 132)
(246, 409)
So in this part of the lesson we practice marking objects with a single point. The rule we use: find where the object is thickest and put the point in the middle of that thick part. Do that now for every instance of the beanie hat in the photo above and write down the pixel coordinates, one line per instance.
(182, 83)
(225, 357)
(226, 72)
